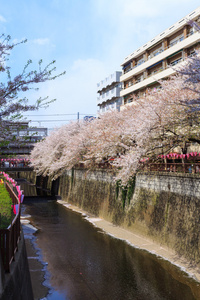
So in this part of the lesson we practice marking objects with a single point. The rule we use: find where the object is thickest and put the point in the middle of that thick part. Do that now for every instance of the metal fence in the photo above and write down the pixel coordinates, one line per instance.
(9, 237)
(172, 167)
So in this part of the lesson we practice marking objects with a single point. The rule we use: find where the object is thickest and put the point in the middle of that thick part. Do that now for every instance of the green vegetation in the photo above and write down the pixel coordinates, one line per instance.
(6, 212)
(126, 191)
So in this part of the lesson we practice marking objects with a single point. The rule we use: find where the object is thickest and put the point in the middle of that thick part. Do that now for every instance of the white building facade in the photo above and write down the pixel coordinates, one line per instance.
(155, 60)
(109, 93)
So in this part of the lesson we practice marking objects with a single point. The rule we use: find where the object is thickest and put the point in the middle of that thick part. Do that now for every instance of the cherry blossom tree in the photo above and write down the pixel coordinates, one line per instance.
(191, 72)
(153, 125)
(65, 146)
(164, 120)
(12, 100)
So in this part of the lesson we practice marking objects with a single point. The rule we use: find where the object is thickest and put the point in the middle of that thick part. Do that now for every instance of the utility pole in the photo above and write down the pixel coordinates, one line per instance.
(78, 116)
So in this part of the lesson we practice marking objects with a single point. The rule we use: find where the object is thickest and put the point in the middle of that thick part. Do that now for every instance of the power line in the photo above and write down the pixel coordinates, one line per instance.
(52, 120)
(59, 115)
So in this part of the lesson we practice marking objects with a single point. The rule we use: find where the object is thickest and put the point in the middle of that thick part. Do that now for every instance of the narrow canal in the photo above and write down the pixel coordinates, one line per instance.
(83, 262)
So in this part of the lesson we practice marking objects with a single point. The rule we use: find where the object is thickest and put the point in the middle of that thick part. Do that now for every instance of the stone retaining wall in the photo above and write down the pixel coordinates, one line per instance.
(164, 207)
(182, 184)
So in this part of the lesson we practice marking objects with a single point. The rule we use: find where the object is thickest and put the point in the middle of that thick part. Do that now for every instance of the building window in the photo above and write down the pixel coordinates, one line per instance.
(141, 61)
(176, 40)
(174, 59)
(173, 63)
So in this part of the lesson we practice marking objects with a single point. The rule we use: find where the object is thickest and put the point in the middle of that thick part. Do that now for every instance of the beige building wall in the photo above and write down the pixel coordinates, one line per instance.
(156, 59)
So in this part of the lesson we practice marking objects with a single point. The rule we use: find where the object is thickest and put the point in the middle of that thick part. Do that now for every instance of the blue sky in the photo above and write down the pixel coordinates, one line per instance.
(89, 39)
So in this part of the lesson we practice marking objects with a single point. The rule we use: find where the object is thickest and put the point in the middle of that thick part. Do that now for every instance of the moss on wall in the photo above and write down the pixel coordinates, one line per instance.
(165, 208)
(170, 219)
(91, 195)
(167, 217)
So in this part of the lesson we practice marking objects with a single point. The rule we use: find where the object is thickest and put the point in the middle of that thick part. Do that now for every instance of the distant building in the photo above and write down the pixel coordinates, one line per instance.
(155, 60)
(88, 118)
(22, 137)
(109, 93)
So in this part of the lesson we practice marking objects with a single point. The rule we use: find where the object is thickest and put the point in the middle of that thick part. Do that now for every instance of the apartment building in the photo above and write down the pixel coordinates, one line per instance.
(109, 93)
(22, 137)
(155, 60)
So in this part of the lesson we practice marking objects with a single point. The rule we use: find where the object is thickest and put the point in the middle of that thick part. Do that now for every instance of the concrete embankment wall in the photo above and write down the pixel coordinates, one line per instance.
(162, 206)
(16, 285)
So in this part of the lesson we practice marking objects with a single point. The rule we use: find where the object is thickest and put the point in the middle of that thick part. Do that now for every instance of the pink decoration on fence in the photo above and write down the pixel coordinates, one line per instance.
(22, 198)
(16, 208)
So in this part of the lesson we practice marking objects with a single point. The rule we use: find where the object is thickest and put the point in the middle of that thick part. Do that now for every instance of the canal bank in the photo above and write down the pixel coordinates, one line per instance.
(162, 207)
(84, 262)
(168, 203)
(37, 267)
(139, 242)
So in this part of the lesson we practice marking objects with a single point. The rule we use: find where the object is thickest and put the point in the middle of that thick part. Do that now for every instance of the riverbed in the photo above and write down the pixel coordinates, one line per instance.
(75, 255)
(81, 261)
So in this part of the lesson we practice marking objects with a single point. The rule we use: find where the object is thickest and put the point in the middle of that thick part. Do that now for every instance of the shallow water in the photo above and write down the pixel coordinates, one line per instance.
(85, 263)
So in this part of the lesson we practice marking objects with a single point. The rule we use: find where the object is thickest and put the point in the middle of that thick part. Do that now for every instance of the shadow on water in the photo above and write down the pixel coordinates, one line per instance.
(33, 192)
(85, 263)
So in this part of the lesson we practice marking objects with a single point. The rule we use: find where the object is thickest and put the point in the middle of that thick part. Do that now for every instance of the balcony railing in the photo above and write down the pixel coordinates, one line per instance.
(157, 71)
(113, 93)
(191, 168)
(160, 51)
(115, 77)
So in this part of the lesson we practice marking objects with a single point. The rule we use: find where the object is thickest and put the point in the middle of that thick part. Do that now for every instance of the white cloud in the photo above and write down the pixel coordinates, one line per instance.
(134, 8)
(2, 19)
(75, 92)
(131, 23)
(115, 28)
(41, 41)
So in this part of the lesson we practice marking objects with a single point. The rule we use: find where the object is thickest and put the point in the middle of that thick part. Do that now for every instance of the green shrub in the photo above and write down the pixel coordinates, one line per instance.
(6, 211)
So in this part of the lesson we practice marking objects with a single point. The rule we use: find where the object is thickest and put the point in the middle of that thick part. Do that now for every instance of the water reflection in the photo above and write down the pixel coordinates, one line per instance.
(31, 190)
(85, 263)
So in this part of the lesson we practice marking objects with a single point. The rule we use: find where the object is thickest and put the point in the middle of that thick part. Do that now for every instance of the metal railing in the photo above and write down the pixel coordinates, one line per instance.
(192, 167)
(161, 50)
(9, 237)
(172, 167)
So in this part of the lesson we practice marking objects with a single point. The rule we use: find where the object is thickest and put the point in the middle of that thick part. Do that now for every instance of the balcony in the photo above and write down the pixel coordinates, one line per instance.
(177, 45)
(108, 81)
(114, 93)
(151, 79)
